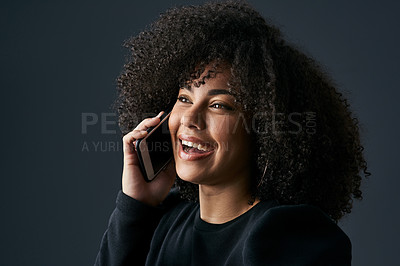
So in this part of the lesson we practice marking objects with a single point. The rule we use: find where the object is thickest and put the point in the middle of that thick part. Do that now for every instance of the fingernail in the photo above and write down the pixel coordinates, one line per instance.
(160, 114)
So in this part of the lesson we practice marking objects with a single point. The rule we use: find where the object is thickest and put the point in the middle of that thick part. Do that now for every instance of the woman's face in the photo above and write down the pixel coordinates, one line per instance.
(211, 145)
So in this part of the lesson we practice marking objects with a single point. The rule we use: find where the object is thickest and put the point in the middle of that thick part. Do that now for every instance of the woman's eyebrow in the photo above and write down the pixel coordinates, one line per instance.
(216, 92)
(212, 92)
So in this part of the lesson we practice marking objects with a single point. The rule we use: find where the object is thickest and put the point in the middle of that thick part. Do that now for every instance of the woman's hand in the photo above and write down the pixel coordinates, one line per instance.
(133, 183)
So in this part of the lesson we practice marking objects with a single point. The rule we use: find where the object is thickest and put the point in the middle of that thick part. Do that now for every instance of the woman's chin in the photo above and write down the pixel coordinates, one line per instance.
(190, 175)
(190, 178)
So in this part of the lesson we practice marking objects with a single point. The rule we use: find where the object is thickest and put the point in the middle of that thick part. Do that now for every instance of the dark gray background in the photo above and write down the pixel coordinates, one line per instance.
(60, 59)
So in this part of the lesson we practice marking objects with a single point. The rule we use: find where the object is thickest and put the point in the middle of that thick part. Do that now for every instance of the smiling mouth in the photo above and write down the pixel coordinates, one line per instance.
(192, 147)
(192, 151)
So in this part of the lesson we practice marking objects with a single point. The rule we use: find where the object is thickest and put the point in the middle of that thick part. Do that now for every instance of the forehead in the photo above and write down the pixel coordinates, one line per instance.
(212, 77)
(217, 84)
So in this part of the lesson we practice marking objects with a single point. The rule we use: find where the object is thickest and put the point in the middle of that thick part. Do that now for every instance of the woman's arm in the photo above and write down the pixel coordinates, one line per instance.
(130, 229)
(132, 224)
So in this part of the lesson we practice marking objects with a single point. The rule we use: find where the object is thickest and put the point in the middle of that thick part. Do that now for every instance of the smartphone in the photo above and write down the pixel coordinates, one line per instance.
(155, 150)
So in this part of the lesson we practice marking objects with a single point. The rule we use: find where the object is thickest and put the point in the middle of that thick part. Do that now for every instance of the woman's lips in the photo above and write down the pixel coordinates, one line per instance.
(191, 153)
(192, 156)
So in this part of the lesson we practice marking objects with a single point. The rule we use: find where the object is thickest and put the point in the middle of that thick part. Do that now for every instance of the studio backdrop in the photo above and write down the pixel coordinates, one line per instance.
(61, 146)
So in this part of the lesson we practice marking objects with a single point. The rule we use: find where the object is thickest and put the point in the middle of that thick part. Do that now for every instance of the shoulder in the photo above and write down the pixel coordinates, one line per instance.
(301, 216)
(297, 221)
(299, 233)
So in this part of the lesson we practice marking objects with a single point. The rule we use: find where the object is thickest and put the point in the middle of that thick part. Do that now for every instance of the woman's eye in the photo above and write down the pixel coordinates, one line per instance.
(221, 106)
(183, 99)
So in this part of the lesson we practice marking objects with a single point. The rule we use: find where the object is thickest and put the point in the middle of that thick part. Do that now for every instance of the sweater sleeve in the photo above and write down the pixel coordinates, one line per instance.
(130, 229)
(298, 235)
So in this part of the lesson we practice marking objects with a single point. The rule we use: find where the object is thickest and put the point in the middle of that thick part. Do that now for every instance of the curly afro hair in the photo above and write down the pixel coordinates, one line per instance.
(306, 142)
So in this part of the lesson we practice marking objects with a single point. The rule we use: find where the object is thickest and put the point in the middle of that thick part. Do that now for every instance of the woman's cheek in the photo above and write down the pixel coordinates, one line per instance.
(174, 121)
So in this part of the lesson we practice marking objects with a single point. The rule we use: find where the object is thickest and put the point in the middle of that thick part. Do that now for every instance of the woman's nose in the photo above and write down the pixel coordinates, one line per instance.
(193, 119)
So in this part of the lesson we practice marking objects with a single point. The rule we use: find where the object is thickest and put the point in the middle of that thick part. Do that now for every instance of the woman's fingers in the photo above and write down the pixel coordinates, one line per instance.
(133, 183)
(139, 132)
(130, 138)
(149, 122)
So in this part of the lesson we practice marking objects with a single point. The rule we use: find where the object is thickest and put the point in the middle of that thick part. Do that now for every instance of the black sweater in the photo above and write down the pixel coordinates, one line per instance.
(267, 234)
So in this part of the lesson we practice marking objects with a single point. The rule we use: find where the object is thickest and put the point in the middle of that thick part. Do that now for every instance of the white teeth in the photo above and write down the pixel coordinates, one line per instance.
(195, 145)
(184, 142)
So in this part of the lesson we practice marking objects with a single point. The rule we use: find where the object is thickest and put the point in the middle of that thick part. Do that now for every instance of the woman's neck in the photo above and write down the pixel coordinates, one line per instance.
(222, 204)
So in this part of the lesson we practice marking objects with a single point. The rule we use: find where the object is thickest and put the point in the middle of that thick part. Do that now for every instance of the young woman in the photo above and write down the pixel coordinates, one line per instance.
(267, 155)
